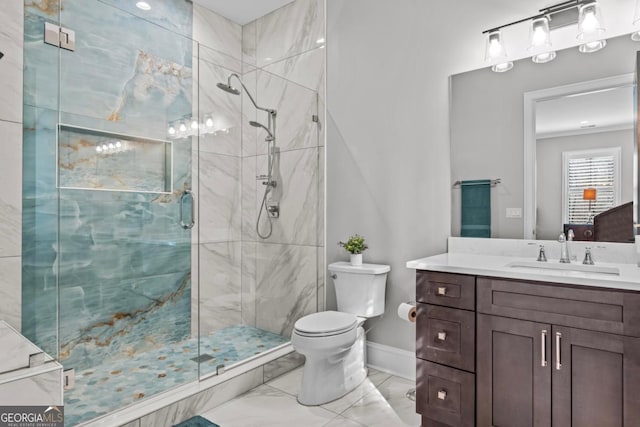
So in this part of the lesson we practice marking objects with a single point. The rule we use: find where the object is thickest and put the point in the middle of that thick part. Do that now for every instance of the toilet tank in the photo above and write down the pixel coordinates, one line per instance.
(360, 290)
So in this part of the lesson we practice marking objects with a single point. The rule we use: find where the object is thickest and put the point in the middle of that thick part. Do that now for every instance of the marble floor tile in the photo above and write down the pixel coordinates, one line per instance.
(369, 385)
(289, 382)
(379, 401)
(386, 406)
(267, 406)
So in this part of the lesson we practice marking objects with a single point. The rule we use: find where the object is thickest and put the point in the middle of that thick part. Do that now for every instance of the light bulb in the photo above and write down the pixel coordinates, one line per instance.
(495, 48)
(590, 22)
(539, 36)
(183, 127)
(209, 122)
(111, 146)
(104, 147)
(118, 144)
(99, 149)
(194, 124)
(172, 130)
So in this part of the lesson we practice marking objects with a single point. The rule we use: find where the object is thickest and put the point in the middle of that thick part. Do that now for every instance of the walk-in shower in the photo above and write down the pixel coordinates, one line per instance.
(269, 205)
(117, 138)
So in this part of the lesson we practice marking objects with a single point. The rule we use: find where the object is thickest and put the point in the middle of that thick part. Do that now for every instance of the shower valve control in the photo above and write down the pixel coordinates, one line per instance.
(273, 208)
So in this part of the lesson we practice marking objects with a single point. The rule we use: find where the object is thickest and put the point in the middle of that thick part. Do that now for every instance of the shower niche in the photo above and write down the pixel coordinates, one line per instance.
(91, 159)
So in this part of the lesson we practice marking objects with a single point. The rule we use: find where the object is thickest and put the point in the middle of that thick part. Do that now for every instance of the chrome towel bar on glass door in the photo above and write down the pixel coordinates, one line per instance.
(192, 221)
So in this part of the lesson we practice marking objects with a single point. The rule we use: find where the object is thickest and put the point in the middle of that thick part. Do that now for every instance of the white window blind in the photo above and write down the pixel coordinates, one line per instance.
(596, 169)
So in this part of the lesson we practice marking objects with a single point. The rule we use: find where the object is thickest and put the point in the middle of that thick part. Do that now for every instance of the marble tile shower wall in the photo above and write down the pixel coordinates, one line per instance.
(283, 58)
(118, 261)
(11, 42)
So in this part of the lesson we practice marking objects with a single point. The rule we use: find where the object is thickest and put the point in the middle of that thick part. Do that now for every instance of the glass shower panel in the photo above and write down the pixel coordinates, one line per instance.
(39, 191)
(126, 204)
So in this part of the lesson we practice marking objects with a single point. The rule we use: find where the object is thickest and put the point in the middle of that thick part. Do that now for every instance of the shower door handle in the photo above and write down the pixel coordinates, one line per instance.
(192, 221)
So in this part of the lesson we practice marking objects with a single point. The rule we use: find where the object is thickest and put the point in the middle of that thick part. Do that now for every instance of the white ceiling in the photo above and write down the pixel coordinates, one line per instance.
(243, 11)
(602, 111)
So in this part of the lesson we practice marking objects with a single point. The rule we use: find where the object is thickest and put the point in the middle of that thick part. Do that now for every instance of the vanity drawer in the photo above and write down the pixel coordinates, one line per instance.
(610, 310)
(446, 335)
(445, 395)
(450, 290)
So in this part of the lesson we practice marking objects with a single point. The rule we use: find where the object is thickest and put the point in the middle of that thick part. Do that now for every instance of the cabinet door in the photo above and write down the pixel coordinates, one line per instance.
(596, 379)
(513, 373)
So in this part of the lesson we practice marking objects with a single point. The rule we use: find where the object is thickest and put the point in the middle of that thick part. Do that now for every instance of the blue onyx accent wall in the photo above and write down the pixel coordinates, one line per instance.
(106, 274)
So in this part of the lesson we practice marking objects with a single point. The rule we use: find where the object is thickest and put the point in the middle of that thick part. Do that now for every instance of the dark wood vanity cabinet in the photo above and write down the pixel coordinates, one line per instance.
(445, 349)
(546, 354)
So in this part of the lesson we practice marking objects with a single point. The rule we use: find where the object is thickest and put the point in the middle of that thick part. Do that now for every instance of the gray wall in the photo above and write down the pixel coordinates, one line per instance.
(549, 173)
(387, 144)
(487, 121)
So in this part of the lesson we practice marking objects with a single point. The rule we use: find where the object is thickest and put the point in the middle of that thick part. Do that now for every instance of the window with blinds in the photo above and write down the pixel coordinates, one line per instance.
(597, 169)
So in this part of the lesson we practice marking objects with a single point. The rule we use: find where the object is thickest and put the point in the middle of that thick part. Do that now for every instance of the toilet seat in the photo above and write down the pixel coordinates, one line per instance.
(325, 323)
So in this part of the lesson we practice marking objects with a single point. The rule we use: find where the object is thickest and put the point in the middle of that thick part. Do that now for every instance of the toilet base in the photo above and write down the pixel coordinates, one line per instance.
(327, 379)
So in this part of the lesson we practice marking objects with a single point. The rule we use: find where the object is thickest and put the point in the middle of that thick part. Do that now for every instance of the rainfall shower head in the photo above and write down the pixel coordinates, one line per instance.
(260, 125)
(228, 88)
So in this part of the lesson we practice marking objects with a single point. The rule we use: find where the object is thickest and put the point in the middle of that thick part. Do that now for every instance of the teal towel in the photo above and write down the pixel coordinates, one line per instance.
(476, 208)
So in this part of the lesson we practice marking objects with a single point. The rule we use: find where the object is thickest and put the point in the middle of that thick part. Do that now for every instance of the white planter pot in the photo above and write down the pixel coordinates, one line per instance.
(356, 259)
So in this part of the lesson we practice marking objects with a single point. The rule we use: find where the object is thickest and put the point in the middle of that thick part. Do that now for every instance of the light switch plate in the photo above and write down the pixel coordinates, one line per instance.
(514, 212)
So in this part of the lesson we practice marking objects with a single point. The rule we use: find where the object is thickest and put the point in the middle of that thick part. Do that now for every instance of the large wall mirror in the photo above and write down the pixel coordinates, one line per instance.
(559, 137)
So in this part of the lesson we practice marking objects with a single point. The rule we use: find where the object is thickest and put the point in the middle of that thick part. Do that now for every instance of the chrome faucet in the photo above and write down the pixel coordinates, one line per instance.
(564, 249)
(587, 256)
(542, 256)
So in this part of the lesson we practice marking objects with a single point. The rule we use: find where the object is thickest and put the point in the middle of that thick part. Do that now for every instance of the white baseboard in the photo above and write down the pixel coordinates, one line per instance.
(395, 361)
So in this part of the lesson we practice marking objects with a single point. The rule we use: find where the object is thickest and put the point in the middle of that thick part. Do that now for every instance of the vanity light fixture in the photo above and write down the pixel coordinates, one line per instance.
(495, 52)
(540, 40)
(586, 13)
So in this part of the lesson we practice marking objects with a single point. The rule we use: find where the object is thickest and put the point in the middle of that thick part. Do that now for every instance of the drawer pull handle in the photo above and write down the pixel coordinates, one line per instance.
(442, 336)
(442, 290)
(442, 394)
(558, 353)
(543, 360)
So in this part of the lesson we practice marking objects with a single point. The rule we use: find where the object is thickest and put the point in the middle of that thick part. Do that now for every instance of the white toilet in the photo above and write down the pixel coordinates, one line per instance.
(334, 342)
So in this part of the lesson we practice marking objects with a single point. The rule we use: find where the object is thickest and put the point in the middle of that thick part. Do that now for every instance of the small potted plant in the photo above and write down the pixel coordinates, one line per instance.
(355, 246)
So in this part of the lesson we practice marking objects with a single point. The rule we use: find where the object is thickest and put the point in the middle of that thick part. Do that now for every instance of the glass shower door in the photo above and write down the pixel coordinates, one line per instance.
(125, 151)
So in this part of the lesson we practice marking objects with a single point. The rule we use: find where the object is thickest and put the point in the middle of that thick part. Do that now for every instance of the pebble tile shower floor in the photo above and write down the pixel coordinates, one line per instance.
(105, 388)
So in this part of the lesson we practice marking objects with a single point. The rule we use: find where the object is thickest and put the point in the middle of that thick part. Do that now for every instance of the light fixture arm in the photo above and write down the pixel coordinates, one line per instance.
(270, 111)
(547, 11)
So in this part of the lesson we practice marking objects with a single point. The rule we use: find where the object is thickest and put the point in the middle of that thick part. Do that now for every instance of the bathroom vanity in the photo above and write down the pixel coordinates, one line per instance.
(505, 345)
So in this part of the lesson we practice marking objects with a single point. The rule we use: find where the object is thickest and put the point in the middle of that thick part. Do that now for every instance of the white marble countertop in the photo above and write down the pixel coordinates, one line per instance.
(498, 266)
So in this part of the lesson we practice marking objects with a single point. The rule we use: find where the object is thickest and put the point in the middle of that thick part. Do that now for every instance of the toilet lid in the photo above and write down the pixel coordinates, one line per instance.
(326, 323)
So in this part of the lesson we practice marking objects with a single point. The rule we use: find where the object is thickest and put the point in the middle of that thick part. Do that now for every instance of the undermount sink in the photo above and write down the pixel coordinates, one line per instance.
(581, 268)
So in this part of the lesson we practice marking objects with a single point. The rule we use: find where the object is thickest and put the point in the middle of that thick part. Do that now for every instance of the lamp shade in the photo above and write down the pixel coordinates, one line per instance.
(539, 34)
(590, 22)
(589, 194)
